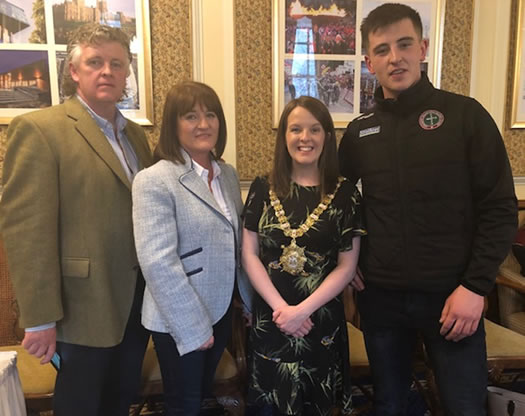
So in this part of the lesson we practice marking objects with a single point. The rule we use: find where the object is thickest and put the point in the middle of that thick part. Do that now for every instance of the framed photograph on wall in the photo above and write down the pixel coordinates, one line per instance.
(33, 40)
(518, 86)
(317, 51)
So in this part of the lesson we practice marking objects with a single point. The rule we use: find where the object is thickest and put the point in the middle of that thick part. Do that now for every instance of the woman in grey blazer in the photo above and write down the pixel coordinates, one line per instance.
(186, 211)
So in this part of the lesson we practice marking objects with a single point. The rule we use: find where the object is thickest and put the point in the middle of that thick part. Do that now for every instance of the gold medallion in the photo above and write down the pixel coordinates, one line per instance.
(293, 259)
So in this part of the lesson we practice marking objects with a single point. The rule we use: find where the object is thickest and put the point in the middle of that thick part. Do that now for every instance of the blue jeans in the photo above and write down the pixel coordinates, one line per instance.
(391, 322)
(189, 379)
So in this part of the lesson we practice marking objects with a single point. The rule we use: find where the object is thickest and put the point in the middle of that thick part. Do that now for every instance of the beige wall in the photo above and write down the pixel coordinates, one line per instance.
(232, 52)
(492, 71)
(514, 138)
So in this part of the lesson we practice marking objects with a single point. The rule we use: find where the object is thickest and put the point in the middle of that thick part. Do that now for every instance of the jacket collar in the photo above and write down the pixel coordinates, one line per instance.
(229, 185)
(194, 183)
(91, 132)
(407, 100)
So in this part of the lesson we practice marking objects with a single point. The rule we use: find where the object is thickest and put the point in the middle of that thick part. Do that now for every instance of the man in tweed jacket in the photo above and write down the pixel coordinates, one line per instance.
(66, 222)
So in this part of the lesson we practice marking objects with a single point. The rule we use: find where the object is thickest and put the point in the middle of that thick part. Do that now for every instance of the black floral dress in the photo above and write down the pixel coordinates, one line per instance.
(309, 375)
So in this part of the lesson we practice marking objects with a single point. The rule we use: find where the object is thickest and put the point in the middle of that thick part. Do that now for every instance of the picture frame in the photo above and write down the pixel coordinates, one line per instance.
(316, 50)
(518, 84)
(33, 47)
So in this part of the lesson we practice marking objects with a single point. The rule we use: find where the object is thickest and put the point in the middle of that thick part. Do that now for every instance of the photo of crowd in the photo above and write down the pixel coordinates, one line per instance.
(369, 85)
(322, 31)
(332, 82)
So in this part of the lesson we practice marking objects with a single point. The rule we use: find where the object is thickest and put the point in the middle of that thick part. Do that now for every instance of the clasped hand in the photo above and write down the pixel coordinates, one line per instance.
(292, 320)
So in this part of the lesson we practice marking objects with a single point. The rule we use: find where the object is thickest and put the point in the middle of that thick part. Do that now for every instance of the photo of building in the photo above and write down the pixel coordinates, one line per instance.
(24, 79)
(13, 19)
(70, 14)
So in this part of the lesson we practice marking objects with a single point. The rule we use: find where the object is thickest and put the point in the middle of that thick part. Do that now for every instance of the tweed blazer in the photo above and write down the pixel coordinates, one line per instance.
(65, 217)
(187, 249)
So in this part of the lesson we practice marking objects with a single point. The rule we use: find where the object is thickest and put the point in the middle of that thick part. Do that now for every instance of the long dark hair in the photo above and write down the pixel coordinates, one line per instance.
(281, 174)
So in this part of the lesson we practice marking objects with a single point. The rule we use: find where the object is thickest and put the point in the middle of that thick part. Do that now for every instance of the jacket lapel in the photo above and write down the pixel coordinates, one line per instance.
(88, 128)
(191, 181)
(228, 186)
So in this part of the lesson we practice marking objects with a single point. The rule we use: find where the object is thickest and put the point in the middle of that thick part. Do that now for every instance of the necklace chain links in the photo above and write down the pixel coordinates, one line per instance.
(293, 258)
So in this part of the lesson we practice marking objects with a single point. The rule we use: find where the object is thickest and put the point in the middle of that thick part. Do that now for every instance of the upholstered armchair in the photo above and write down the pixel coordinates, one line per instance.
(511, 290)
(37, 380)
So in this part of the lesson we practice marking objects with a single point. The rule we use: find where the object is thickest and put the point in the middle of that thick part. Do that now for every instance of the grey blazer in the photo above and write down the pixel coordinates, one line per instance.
(188, 250)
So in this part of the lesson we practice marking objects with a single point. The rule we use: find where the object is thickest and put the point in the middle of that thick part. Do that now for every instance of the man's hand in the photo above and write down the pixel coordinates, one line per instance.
(461, 314)
(207, 345)
(41, 343)
(358, 282)
(292, 320)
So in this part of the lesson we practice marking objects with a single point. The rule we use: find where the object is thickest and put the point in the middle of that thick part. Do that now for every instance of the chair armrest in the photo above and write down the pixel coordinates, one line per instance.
(510, 278)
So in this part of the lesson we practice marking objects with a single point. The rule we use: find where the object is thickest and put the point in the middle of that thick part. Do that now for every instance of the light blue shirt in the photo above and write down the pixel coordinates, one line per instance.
(215, 186)
(126, 154)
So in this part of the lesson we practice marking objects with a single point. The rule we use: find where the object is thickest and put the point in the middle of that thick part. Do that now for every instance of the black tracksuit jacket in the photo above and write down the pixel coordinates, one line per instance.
(438, 194)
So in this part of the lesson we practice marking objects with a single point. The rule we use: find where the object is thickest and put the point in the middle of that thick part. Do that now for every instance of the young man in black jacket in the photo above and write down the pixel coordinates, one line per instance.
(440, 211)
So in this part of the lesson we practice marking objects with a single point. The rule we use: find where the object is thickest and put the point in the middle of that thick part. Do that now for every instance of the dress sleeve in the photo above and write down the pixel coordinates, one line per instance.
(351, 224)
(253, 208)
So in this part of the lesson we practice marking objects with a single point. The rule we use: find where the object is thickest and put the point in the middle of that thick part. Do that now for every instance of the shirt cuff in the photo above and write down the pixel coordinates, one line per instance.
(41, 327)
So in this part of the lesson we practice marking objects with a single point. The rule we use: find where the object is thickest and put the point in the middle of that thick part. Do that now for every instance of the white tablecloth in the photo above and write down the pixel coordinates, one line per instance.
(11, 395)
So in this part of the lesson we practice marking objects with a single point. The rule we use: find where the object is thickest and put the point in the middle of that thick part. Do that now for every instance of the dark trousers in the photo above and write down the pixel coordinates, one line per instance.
(391, 323)
(188, 379)
(102, 381)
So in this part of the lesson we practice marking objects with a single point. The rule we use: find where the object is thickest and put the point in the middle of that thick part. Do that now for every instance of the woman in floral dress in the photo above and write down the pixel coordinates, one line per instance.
(302, 228)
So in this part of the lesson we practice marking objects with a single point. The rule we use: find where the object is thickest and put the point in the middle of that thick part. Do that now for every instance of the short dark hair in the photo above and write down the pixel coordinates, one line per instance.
(387, 14)
(281, 174)
(180, 100)
(88, 35)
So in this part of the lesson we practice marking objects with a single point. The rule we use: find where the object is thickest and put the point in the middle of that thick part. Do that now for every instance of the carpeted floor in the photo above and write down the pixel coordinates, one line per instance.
(236, 406)
(153, 407)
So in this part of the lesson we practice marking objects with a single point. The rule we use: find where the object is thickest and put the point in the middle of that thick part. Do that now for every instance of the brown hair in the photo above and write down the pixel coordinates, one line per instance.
(88, 35)
(181, 99)
(385, 15)
(281, 174)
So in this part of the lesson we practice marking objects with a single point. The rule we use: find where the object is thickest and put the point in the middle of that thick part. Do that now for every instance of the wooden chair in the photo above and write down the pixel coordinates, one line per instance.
(506, 342)
(511, 290)
(37, 380)
(505, 353)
